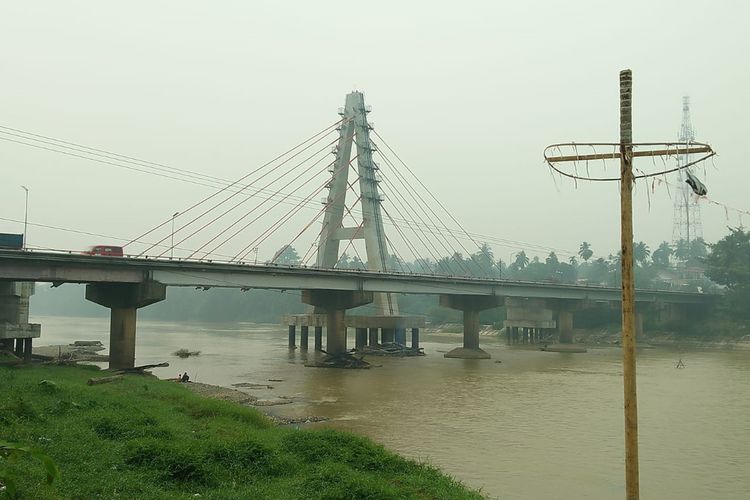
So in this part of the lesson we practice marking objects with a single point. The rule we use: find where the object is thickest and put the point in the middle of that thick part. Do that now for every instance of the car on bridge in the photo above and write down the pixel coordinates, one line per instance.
(107, 250)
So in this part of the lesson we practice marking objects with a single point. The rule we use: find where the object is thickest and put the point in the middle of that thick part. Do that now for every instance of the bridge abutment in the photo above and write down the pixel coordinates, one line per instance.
(471, 306)
(124, 300)
(16, 333)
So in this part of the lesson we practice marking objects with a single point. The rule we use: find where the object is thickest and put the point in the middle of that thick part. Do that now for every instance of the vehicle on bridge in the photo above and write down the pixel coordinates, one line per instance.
(108, 250)
(8, 240)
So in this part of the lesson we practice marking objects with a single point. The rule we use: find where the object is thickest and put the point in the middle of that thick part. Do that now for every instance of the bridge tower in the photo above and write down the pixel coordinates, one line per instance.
(686, 223)
(387, 325)
(355, 130)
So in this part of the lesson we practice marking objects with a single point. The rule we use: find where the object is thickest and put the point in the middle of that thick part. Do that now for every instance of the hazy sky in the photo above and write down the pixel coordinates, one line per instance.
(468, 93)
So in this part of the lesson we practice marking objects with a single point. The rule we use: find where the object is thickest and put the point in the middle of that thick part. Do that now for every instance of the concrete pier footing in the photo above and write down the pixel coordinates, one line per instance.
(367, 328)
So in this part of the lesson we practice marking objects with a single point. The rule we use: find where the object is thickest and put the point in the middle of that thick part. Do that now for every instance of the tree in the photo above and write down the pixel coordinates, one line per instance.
(729, 264)
(287, 256)
(552, 259)
(522, 260)
(585, 251)
(729, 261)
(641, 252)
(483, 262)
(660, 256)
(682, 250)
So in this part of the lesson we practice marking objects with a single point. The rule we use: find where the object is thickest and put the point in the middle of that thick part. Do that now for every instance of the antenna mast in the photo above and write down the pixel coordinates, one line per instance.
(686, 223)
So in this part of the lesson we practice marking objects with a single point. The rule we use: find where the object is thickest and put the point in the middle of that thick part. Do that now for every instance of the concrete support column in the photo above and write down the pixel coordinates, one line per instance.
(335, 303)
(336, 331)
(565, 326)
(373, 333)
(16, 333)
(471, 306)
(639, 324)
(415, 338)
(292, 337)
(400, 336)
(303, 337)
(388, 335)
(471, 329)
(122, 337)
(124, 299)
(27, 348)
(318, 338)
(360, 339)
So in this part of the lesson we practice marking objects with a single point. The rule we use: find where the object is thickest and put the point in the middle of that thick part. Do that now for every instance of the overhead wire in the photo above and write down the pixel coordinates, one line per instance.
(290, 214)
(225, 200)
(440, 204)
(441, 236)
(248, 213)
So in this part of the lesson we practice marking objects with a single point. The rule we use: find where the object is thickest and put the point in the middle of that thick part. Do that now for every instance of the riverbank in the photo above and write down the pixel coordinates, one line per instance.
(140, 437)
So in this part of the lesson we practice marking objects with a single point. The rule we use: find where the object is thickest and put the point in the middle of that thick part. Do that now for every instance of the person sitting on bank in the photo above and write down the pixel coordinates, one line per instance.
(185, 377)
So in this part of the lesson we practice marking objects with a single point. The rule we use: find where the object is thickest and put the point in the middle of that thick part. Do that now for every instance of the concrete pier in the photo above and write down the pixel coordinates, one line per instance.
(16, 333)
(471, 307)
(373, 337)
(565, 326)
(124, 299)
(367, 327)
(360, 339)
(529, 321)
(303, 337)
(415, 338)
(387, 335)
(292, 337)
(318, 338)
(335, 303)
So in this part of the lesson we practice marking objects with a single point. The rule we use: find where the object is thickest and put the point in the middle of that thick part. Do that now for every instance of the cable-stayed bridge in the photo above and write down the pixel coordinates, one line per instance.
(368, 226)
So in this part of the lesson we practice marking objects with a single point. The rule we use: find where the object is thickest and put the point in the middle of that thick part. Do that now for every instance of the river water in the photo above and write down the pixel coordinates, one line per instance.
(534, 425)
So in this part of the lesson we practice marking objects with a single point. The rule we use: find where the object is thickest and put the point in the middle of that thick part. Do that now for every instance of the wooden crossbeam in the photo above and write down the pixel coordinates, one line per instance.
(615, 155)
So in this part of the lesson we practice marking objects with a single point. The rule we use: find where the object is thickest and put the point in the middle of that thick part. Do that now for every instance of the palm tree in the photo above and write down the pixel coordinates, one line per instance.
(573, 261)
(682, 250)
(641, 252)
(661, 255)
(585, 251)
(522, 260)
(552, 259)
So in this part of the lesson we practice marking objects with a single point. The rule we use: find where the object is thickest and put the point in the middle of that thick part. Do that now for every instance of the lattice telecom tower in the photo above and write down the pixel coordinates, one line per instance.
(355, 130)
(686, 223)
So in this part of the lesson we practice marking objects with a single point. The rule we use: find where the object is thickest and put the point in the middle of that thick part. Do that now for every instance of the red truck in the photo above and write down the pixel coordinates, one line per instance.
(108, 250)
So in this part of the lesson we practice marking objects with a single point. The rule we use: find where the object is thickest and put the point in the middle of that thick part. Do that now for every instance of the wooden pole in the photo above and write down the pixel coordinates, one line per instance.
(628, 287)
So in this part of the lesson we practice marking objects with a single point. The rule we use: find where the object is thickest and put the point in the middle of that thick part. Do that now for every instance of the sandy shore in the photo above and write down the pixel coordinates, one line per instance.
(245, 399)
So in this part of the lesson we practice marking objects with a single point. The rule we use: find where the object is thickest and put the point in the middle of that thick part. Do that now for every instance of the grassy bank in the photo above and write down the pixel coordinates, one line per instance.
(144, 438)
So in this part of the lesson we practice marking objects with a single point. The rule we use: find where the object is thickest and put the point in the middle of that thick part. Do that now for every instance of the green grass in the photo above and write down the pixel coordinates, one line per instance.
(145, 438)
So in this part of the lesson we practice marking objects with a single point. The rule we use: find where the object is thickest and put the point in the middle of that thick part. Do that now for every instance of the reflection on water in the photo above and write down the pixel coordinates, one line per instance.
(536, 425)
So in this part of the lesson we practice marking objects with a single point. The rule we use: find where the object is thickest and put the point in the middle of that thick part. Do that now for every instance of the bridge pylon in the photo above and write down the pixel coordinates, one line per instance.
(354, 137)
(355, 132)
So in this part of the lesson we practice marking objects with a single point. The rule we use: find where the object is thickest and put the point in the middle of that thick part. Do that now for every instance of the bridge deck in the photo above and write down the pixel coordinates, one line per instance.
(75, 268)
